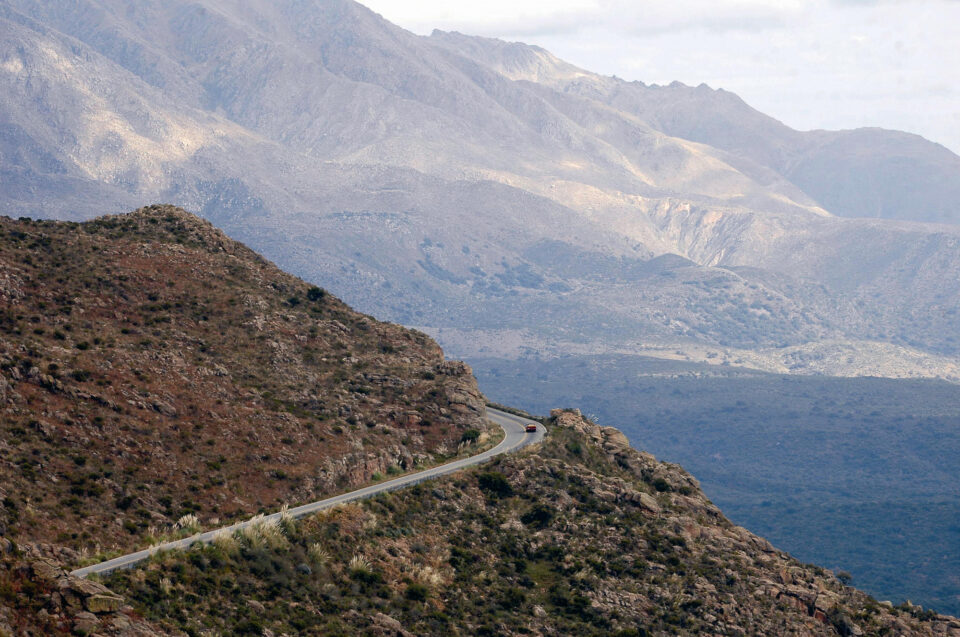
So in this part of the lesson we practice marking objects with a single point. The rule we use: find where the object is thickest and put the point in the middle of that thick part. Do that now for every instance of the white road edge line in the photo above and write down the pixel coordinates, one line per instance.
(515, 438)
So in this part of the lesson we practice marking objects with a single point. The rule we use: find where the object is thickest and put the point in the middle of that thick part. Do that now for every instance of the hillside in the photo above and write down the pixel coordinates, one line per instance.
(153, 368)
(583, 535)
(856, 474)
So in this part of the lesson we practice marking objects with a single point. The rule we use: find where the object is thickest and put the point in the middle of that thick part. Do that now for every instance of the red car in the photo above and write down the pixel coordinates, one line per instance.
(531, 427)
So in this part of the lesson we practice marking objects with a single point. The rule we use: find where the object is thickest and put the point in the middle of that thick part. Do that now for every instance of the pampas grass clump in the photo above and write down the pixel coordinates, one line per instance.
(317, 554)
(359, 564)
(263, 531)
(188, 522)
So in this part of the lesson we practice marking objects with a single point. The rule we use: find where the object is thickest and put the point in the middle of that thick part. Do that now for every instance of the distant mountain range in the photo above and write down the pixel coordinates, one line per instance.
(466, 183)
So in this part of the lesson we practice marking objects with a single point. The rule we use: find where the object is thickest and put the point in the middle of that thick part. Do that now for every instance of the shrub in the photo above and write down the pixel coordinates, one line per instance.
(286, 523)
(539, 516)
(225, 541)
(661, 485)
(188, 522)
(495, 483)
(262, 531)
(248, 627)
(428, 576)
(417, 592)
(317, 554)
(361, 571)
(513, 598)
(358, 564)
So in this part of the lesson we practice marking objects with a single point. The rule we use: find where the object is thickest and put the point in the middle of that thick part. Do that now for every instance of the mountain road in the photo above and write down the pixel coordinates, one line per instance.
(516, 437)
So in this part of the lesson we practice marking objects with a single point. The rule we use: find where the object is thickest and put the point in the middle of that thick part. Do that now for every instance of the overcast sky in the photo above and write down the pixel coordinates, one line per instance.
(811, 64)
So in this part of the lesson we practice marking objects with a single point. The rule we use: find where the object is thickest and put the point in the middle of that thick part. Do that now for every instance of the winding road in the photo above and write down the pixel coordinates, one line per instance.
(516, 438)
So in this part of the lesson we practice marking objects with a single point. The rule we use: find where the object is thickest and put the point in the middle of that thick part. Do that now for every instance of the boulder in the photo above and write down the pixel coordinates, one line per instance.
(614, 440)
(807, 598)
(46, 571)
(453, 368)
(120, 623)
(165, 408)
(103, 603)
(648, 502)
(85, 623)
(84, 587)
(386, 626)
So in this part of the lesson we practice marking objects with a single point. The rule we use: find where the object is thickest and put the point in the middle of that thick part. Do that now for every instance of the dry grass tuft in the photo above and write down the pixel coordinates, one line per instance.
(359, 564)
(188, 522)
(317, 554)
(263, 531)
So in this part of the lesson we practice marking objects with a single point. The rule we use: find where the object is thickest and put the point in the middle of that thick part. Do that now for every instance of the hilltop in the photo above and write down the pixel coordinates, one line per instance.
(151, 368)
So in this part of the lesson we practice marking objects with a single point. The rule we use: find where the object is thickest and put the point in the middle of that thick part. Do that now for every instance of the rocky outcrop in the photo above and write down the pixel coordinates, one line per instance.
(52, 602)
(823, 605)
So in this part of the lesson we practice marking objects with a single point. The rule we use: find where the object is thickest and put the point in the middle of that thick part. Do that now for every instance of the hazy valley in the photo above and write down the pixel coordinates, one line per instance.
(852, 473)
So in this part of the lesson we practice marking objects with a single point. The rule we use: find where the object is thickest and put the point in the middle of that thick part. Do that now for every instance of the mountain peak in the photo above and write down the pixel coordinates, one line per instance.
(166, 223)
(514, 60)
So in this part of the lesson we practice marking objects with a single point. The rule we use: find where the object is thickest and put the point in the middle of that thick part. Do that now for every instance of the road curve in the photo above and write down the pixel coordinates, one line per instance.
(515, 438)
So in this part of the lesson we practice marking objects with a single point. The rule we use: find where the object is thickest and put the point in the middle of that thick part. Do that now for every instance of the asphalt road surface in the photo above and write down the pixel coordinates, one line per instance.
(516, 438)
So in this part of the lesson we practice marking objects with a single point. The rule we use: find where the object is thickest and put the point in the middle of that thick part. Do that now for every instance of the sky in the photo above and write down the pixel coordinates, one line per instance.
(830, 64)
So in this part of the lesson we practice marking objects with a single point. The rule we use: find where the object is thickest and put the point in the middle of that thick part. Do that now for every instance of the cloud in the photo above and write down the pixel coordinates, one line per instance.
(652, 17)
(877, 3)
(524, 18)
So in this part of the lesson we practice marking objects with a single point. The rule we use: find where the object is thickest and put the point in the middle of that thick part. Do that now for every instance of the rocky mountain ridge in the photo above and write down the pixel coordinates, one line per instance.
(486, 192)
(39, 597)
